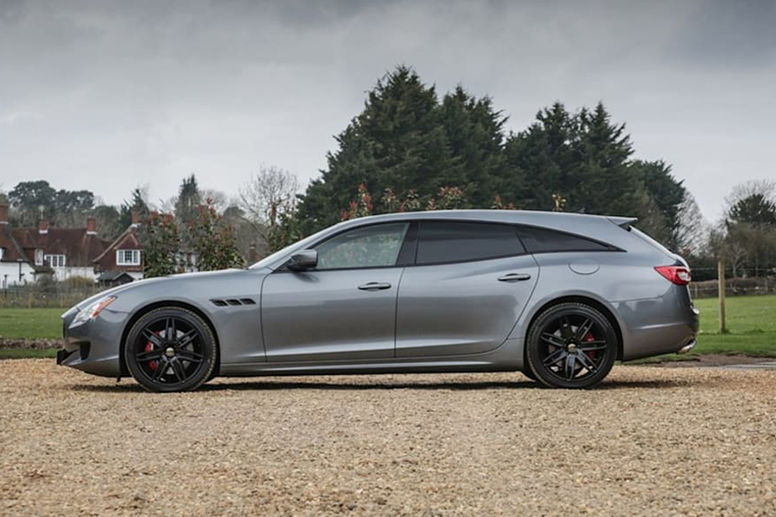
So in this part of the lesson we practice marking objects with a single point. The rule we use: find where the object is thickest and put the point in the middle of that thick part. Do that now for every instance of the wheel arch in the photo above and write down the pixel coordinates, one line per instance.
(157, 305)
(587, 300)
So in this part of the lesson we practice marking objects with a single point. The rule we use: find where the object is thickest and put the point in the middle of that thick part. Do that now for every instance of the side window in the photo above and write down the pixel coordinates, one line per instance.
(543, 240)
(370, 246)
(453, 241)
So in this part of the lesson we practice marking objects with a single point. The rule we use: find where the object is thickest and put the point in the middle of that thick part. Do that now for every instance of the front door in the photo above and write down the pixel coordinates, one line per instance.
(345, 308)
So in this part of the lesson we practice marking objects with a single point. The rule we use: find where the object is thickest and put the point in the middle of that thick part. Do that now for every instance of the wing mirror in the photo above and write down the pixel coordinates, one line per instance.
(301, 260)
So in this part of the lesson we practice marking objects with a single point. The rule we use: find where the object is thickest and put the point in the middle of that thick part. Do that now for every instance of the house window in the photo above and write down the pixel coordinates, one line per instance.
(54, 260)
(38, 257)
(2, 250)
(127, 257)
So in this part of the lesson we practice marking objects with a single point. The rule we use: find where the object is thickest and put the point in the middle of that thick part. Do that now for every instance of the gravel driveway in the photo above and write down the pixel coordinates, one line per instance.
(651, 440)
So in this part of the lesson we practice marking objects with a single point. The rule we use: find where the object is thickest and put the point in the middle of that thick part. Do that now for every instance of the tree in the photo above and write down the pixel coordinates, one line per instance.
(187, 208)
(475, 133)
(692, 233)
(32, 200)
(137, 204)
(750, 225)
(269, 202)
(397, 141)
(71, 207)
(108, 221)
(213, 240)
(161, 242)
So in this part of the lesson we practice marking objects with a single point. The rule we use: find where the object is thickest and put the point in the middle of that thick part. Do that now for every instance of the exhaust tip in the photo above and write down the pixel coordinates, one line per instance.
(689, 346)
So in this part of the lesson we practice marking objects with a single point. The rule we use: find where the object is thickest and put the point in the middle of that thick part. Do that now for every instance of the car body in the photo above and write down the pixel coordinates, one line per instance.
(440, 291)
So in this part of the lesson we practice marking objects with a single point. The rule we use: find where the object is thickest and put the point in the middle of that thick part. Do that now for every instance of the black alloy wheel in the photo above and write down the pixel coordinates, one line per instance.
(571, 345)
(170, 349)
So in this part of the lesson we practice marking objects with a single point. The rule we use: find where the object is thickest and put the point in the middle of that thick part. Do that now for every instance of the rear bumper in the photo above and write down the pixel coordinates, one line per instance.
(659, 326)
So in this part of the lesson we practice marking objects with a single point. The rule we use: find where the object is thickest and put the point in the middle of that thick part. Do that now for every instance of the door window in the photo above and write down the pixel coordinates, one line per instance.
(453, 241)
(371, 246)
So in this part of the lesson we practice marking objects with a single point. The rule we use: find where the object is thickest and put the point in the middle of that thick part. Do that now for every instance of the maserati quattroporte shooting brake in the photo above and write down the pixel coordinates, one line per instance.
(559, 297)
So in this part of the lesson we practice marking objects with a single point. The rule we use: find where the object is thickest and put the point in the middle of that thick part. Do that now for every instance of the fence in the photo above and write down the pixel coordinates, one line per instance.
(734, 287)
(53, 295)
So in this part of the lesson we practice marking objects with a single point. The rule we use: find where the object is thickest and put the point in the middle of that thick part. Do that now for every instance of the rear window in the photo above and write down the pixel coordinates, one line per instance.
(543, 240)
(452, 241)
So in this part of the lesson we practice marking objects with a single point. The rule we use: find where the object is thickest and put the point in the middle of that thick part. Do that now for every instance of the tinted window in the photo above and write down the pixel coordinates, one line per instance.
(542, 240)
(442, 241)
(370, 246)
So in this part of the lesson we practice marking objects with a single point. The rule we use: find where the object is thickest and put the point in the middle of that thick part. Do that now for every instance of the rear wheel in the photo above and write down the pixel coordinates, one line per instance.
(170, 349)
(571, 345)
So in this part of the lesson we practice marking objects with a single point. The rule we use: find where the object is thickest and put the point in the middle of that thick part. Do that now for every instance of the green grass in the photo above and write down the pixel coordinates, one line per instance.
(751, 321)
(31, 323)
(14, 353)
(751, 324)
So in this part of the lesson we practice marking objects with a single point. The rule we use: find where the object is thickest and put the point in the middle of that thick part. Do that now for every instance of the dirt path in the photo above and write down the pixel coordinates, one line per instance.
(651, 440)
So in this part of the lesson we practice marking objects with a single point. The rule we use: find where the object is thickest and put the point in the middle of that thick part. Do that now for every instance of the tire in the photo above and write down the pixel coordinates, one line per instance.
(528, 373)
(571, 345)
(170, 349)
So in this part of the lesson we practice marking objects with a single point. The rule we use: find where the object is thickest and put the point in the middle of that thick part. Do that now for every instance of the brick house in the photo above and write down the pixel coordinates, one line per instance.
(26, 254)
(15, 266)
(63, 252)
(123, 255)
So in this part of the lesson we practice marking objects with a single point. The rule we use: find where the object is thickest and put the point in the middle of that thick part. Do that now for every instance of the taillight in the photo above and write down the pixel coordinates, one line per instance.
(678, 275)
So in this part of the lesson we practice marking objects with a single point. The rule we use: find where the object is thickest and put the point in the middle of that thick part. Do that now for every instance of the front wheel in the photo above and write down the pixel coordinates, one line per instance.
(571, 345)
(170, 349)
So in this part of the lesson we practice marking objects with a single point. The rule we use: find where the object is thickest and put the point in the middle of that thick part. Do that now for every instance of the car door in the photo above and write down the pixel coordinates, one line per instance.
(470, 283)
(344, 308)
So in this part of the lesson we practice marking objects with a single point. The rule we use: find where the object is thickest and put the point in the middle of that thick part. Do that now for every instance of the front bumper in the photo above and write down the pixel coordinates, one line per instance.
(95, 346)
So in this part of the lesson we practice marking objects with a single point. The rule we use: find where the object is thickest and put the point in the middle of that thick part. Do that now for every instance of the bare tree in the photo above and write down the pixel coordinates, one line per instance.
(692, 233)
(270, 192)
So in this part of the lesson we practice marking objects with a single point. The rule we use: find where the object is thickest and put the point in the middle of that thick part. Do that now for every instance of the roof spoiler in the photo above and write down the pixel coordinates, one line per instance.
(624, 222)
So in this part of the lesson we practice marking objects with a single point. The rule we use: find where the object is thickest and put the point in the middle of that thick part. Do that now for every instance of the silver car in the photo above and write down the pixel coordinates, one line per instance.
(557, 296)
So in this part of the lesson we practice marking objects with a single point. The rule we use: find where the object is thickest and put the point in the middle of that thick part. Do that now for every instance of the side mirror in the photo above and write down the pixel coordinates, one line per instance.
(301, 260)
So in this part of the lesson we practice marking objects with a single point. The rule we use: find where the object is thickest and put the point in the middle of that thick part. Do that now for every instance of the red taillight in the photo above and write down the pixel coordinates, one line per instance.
(678, 275)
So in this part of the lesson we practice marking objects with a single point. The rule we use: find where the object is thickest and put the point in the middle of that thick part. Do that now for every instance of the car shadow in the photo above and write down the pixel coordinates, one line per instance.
(264, 385)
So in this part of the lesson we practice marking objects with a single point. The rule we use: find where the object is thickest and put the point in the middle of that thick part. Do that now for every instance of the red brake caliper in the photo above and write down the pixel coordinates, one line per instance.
(588, 338)
(149, 346)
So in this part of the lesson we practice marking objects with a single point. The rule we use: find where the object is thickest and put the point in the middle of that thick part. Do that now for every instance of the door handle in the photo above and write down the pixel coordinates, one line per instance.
(514, 277)
(374, 286)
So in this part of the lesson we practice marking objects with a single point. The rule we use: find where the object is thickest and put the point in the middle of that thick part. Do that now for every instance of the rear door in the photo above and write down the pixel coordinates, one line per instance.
(470, 283)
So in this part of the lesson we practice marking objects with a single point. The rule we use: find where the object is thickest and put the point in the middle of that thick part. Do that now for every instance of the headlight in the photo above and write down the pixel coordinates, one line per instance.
(92, 311)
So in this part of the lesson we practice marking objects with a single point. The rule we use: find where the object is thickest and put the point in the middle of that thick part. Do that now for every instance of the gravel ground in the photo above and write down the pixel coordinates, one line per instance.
(651, 440)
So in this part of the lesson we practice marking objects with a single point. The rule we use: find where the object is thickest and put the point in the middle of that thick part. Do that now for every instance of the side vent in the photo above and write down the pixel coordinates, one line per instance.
(232, 301)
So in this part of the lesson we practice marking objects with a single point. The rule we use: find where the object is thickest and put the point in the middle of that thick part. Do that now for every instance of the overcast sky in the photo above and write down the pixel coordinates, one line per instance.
(107, 96)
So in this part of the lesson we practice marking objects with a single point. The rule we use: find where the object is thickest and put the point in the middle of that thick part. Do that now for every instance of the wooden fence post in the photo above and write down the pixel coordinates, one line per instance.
(721, 290)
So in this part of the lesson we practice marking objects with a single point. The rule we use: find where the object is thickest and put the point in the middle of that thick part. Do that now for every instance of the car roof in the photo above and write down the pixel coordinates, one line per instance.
(531, 217)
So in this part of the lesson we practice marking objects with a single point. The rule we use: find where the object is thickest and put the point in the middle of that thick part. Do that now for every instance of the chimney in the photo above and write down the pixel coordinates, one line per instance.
(253, 255)
(43, 226)
(3, 214)
(135, 218)
(91, 226)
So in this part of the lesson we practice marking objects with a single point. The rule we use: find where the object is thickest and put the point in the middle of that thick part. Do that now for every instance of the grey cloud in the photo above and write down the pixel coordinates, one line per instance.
(108, 95)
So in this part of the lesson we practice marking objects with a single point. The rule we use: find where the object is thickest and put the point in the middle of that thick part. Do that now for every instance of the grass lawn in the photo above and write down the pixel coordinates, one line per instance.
(751, 322)
(31, 323)
(12, 353)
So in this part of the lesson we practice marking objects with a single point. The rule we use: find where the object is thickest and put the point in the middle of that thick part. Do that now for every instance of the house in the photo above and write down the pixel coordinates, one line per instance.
(26, 254)
(63, 252)
(123, 255)
(16, 268)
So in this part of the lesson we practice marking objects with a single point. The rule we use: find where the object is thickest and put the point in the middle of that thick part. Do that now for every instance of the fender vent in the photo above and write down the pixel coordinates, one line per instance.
(232, 301)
